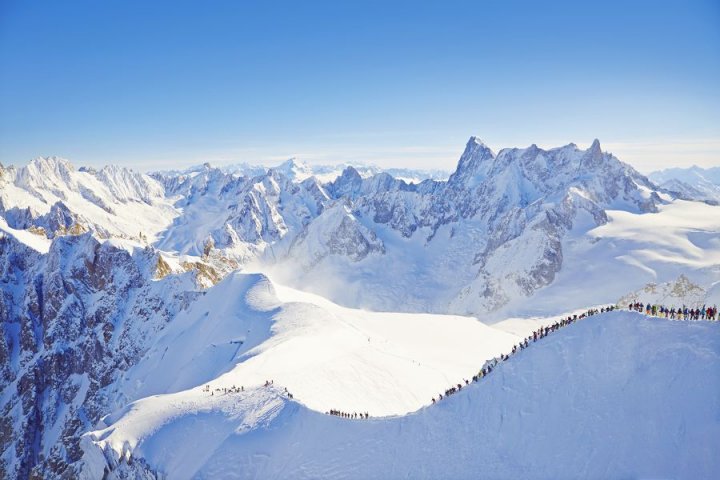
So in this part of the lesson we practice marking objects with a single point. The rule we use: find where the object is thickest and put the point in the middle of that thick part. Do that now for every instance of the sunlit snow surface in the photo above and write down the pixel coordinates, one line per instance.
(113, 200)
(36, 242)
(246, 331)
(614, 395)
(604, 263)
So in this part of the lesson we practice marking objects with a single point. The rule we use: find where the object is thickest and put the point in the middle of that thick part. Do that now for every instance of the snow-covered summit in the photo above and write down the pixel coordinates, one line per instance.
(474, 164)
(112, 201)
(295, 170)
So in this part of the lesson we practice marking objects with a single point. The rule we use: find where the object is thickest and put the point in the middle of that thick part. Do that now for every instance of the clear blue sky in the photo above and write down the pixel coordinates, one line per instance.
(152, 84)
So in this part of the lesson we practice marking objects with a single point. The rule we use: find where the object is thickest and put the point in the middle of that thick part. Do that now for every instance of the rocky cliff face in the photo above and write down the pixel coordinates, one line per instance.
(72, 321)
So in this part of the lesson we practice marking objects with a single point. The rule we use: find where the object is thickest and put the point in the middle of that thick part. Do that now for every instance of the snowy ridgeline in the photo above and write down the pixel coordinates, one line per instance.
(502, 228)
(614, 395)
(692, 183)
(675, 294)
(298, 171)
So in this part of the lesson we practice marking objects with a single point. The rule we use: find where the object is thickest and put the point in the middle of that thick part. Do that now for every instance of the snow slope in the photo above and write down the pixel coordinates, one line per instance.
(39, 243)
(246, 331)
(605, 263)
(615, 395)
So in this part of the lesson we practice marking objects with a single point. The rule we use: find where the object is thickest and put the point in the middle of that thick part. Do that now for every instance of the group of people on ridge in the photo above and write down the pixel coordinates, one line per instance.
(234, 389)
(684, 313)
(353, 415)
(680, 313)
(536, 335)
(224, 390)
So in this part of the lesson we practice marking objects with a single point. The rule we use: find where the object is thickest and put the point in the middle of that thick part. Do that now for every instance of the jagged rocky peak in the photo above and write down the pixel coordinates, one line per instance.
(348, 183)
(550, 172)
(126, 184)
(351, 174)
(60, 218)
(43, 171)
(199, 182)
(563, 162)
(474, 163)
(50, 163)
(594, 157)
(290, 165)
(338, 233)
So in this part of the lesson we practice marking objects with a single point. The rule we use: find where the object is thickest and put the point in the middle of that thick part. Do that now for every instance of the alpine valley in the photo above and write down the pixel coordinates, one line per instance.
(200, 323)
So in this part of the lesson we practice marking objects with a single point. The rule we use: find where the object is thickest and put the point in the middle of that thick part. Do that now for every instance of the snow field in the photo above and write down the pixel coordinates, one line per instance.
(614, 395)
(604, 263)
(247, 331)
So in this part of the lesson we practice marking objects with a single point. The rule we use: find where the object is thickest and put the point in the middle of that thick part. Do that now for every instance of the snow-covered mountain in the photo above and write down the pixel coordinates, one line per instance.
(502, 218)
(297, 170)
(512, 220)
(694, 183)
(121, 296)
(52, 197)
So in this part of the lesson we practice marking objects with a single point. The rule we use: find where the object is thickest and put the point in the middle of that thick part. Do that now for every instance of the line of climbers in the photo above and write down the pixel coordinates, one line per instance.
(536, 335)
(353, 415)
(234, 389)
(684, 313)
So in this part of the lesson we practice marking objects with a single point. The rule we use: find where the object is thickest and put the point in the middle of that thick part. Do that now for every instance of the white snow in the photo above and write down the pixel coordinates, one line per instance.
(39, 243)
(604, 263)
(247, 331)
(614, 395)
(114, 201)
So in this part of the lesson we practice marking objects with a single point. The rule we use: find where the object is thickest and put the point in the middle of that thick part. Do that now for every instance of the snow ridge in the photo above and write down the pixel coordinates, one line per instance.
(604, 425)
(692, 183)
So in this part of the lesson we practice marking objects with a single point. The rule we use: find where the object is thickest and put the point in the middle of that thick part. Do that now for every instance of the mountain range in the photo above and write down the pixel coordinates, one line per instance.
(694, 183)
(124, 294)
